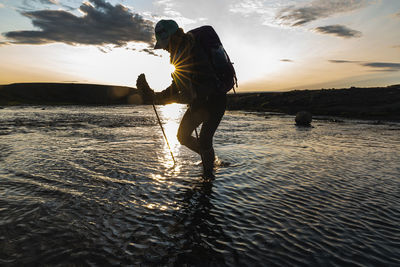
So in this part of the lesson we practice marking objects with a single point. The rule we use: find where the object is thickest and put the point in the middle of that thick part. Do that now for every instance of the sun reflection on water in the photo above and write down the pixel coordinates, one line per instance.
(170, 116)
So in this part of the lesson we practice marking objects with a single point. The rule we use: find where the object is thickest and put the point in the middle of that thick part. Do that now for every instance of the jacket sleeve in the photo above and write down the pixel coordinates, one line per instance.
(170, 93)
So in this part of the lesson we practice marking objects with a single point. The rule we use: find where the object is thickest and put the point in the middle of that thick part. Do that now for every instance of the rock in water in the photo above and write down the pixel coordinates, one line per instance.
(303, 118)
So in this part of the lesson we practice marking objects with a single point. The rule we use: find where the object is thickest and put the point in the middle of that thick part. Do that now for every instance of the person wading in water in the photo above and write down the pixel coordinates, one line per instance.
(198, 80)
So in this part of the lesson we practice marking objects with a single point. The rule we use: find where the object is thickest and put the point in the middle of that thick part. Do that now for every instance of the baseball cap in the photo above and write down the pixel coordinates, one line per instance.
(164, 30)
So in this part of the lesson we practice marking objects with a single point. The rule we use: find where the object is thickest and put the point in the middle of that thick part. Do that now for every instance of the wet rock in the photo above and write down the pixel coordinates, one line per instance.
(303, 118)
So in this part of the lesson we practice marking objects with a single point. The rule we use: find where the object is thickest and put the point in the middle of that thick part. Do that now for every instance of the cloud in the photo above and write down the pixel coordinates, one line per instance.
(338, 30)
(248, 7)
(297, 15)
(102, 24)
(173, 9)
(343, 61)
(378, 66)
(286, 60)
(29, 5)
(383, 66)
(150, 51)
(50, 2)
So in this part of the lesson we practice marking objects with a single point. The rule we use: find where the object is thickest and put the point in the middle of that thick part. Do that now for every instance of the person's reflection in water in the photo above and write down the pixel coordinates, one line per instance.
(202, 232)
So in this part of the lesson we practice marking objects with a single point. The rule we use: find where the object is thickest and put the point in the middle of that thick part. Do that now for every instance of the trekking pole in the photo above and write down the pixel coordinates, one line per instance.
(162, 129)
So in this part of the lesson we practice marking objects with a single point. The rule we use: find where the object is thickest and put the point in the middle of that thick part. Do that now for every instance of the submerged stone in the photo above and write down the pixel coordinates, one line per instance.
(303, 118)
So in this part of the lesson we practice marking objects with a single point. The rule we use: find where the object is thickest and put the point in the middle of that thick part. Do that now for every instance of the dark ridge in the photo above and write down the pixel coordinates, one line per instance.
(381, 103)
(67, 93)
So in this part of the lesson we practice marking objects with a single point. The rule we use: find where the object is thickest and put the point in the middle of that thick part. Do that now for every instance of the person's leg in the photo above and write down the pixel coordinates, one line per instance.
(216, 109)
(190, 121)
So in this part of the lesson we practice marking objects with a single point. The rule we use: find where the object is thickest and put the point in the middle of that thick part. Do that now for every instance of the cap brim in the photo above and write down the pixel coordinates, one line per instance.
(161, 44)
(157, 46)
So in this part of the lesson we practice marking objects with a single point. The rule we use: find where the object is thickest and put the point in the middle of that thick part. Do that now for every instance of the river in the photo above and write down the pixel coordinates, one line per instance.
(97, 186)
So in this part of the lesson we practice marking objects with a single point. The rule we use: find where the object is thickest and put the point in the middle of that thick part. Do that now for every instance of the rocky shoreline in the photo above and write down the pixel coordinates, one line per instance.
(377, 103)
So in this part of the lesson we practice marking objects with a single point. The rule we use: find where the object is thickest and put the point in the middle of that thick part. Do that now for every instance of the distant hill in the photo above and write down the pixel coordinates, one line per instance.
(68, 93)
(382, 103)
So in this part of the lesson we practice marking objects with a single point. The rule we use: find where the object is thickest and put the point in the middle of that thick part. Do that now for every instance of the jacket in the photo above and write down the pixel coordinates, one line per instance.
(194, 79)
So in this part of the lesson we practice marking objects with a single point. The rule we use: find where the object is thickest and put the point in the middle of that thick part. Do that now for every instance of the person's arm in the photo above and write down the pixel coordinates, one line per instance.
(169, 94)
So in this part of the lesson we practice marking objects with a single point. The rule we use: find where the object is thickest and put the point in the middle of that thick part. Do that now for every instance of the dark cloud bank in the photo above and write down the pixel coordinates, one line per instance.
(101, 24)
(338, 30)
(380, 66)
(319, 9)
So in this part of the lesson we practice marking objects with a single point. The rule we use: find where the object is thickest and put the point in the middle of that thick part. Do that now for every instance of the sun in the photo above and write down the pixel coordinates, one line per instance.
(171, 68)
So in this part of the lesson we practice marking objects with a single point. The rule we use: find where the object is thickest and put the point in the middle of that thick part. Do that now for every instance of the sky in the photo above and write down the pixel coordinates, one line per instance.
(275, 45)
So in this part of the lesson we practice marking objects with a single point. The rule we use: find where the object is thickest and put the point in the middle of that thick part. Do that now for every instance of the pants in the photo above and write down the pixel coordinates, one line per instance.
(210, 113)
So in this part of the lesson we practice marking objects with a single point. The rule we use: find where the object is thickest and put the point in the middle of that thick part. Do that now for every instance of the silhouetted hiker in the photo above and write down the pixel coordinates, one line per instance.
(203, 75)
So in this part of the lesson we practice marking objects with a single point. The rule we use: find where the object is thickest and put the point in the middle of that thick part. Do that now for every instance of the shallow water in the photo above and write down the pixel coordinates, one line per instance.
(97, 186)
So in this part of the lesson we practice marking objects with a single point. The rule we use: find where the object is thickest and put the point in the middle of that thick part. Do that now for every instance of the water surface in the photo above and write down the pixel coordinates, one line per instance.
(97, 186)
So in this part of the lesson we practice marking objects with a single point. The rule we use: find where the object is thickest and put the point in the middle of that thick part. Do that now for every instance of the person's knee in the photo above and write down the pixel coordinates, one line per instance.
(182, 138)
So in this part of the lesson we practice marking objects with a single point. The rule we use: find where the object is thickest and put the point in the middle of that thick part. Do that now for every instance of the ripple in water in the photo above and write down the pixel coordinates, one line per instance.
(97, 186)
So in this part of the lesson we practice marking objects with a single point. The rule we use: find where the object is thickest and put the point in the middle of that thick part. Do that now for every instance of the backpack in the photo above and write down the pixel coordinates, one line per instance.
(210, 42)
